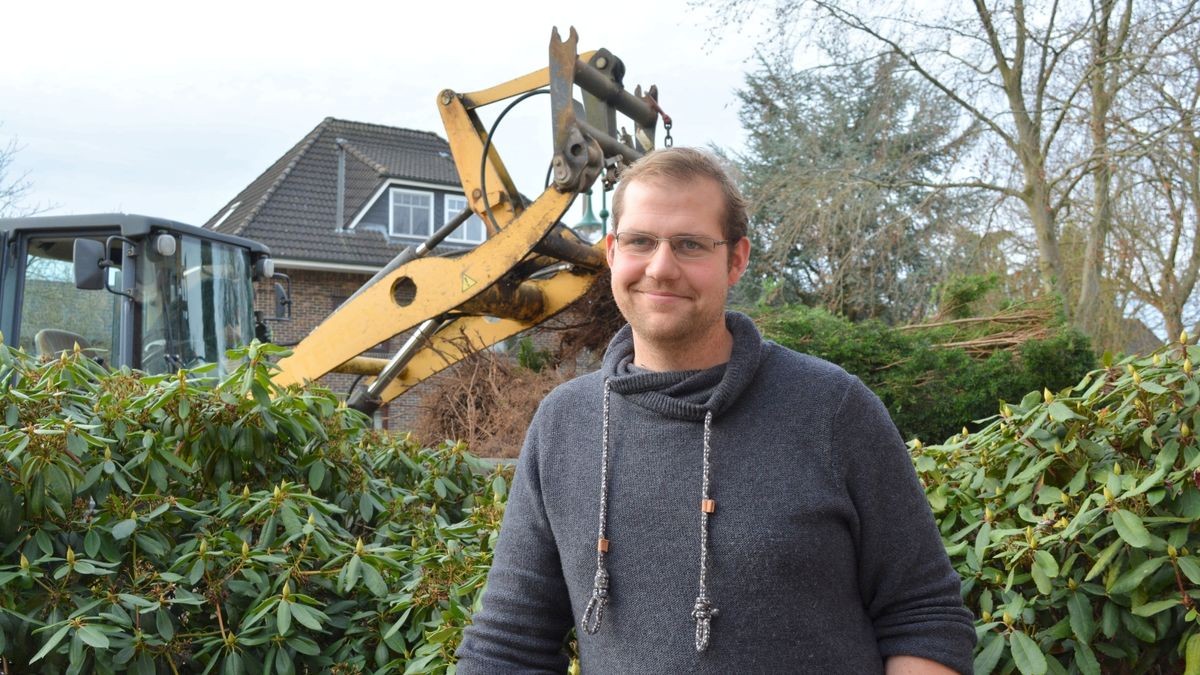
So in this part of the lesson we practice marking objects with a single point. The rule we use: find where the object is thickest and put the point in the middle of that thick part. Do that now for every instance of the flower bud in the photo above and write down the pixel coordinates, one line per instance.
(276, 493)
(1062, 523)
(311, 520)
(987, 514)
(1064, 498)
(70, 556)
(359, 549)
(917, 444)
(203, 547)
(1155, 360)
(1185, 430)
(1172, 552)
(1187, 365)
(107, 454)
(1183, 337)
(1072, 584)
(1108, 495)
(965, 433)
(287, 591)
(1046, 395)
(1008, 619)
(1005, 411)
(24, 562)
(245, 492)
(986, 616)
(245, 550)
(1117, 468)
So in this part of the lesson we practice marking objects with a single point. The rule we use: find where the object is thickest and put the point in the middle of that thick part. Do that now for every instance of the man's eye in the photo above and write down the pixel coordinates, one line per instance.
(690, 245)
(639, 241)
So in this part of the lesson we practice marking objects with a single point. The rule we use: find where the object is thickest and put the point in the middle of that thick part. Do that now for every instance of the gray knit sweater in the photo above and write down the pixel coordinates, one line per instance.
(823, 555)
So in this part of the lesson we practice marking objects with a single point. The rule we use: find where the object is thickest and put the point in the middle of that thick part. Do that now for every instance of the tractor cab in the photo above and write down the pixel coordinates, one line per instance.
(128, 290)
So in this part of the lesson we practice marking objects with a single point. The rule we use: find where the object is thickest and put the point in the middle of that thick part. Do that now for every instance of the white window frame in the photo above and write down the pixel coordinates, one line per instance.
(450, 211)
(392, 192)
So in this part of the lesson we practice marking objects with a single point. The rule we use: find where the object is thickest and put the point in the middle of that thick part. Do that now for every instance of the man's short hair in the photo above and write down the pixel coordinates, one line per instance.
(681, 165)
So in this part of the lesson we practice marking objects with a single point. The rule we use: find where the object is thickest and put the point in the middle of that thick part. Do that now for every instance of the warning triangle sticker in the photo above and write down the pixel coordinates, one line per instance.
(467, 282)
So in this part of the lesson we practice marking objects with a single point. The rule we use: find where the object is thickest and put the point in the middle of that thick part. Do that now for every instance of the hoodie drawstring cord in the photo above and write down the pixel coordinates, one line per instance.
(703, 612)
(594, 614)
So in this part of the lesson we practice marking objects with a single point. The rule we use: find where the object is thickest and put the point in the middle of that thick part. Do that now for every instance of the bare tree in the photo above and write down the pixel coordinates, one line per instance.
(1040, 79)
(14, 188)
(1157, 212)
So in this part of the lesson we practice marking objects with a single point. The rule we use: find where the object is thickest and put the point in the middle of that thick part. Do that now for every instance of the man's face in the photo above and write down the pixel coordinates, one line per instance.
(669, 301)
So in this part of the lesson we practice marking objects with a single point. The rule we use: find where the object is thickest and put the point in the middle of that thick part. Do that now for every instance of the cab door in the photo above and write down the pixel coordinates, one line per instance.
(51, 315)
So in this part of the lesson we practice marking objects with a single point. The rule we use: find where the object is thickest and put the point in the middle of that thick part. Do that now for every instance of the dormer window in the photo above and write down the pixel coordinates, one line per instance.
(472, 231)
(411, 213)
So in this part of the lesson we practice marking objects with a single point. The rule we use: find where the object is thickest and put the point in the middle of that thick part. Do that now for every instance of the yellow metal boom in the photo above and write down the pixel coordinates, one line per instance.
(528, 269)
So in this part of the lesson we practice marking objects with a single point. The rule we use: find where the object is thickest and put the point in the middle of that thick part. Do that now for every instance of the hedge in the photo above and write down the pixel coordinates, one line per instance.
(1071, 517)
(175, 524)
(931, 392)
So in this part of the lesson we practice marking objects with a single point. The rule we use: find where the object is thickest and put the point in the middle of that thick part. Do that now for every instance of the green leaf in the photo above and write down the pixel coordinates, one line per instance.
(1153, 387)
(283, 617)
(1086, 660)
(1041, 579)
(1083, 622)
(374, 580)
(93, 637)
(1059, 412)
(1027, 655)
(1047, 562)
(352, 570)
(1152, 608)
(316, 475)
(1191, 655)
(1134, 577)
(306, 616)
(1130, 528)
(1106, 556)
(162, 621)
(1190, 568)
(123, 529)
(52, 642)
(989, 656)
(983, 540)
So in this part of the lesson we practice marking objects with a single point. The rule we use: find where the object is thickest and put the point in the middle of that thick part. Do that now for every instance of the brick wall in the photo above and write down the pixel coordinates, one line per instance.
(314, 296)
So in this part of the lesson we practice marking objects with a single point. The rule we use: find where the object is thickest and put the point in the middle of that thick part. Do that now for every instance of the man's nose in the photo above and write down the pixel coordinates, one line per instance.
(662, 263)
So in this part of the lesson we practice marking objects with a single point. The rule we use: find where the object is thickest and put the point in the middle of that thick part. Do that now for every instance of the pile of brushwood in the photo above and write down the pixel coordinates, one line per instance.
(1071, 517)
(936, 377)
(174, 524)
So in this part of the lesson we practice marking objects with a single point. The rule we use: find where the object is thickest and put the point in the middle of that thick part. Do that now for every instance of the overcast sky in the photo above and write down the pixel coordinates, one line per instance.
(170, 109)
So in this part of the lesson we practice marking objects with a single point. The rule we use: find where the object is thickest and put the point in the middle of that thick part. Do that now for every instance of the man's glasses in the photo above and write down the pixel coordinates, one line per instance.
(686, 246)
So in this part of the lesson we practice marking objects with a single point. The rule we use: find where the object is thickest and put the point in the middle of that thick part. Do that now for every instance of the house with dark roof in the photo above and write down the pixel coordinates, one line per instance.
(338, 206)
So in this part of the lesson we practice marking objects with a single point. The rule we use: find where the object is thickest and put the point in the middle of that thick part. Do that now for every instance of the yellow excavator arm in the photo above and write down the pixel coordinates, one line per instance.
(528, 269)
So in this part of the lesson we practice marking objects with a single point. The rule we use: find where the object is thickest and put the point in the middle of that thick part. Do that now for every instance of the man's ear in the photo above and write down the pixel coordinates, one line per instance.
(739, 259)
(610, 243)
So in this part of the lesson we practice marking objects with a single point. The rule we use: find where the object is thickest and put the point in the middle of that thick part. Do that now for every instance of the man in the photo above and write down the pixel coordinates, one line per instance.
(708, 501)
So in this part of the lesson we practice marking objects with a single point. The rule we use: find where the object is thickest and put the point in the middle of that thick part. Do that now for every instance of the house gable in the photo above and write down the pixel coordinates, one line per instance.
(327, 200)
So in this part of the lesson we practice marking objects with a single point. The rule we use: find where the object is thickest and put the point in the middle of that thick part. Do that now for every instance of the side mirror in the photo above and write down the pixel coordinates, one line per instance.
(283, 300)
(87, 256)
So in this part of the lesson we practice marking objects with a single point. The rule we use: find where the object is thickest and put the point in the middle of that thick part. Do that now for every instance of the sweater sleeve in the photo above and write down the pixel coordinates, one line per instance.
(526, 611)
(909, 589)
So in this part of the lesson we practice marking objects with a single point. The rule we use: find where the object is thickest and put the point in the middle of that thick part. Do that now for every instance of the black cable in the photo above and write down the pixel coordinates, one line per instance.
(354, 385)
(487, 144)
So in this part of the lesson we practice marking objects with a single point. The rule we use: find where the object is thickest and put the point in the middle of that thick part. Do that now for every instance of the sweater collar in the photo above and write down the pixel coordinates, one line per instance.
(687, 394)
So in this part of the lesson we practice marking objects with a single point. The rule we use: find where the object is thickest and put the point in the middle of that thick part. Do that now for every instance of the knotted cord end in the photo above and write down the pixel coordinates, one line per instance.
(594, 614)
(703, 613)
